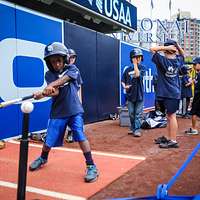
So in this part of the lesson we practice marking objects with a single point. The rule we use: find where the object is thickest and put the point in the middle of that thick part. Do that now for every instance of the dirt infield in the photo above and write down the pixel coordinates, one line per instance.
(160, 165)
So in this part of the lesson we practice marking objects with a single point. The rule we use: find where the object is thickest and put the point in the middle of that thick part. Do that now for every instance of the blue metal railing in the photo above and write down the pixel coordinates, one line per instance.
(162, 189)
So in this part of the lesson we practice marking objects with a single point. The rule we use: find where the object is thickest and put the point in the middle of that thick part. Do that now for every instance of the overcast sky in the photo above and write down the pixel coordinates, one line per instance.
(161, 8)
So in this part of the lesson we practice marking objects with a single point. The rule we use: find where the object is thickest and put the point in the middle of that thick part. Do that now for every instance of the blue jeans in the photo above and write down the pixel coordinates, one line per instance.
(135, 110)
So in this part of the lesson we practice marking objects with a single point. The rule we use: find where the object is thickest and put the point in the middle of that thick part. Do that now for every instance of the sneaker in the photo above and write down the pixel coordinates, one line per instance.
(130, 132)
(91, 173)
(191, 131)
(69, 137)
(160, 140)
(36, 164)
(186, 116)
(169, 144)
(137, 134)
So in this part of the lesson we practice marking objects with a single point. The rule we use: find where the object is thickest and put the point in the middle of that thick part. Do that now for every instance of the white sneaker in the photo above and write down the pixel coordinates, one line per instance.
(191, 131)
(137, 134)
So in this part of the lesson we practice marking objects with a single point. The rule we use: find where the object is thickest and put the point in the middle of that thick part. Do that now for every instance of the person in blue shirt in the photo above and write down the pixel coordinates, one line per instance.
(186, 92)
(66, 108)
(72, 60)
(132, 82)
(158, 104)
(168, 64)
(195, 111)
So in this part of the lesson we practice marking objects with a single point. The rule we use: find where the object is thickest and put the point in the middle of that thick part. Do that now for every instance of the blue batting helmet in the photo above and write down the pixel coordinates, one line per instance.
(135, 53)
(184, 69)
(55, 48)
(170, 42)
(196, 60)
(72, 52)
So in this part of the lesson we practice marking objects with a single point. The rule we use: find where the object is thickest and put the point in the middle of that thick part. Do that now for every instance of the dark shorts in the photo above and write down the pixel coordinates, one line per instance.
(196, 105)
(171, 105)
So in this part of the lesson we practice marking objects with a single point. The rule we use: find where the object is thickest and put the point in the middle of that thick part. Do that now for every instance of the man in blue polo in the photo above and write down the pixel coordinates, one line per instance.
(132, 82)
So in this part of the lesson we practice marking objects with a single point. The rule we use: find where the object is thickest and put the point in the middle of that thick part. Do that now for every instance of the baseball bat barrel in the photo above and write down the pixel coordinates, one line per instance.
(10, 102)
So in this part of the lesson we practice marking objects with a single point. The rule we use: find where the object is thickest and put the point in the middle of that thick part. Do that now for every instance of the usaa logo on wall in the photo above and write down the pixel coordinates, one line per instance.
(117, 10)
(23, 38)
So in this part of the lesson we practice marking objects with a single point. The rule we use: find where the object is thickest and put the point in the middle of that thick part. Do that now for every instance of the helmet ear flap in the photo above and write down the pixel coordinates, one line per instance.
(67, 59)
(50, 67)
(131, 56)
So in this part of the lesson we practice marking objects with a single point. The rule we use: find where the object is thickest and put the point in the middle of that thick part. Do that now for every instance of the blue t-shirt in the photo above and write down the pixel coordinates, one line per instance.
(79, 81)
(197, 84)
(67, 103)
(186, 91)
(136, 91)
(168, 83)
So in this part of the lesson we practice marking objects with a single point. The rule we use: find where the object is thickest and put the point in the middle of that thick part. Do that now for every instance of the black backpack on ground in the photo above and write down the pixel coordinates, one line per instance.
(154, 119)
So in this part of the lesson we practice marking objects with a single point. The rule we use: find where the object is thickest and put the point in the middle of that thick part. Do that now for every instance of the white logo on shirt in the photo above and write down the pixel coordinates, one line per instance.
(90, 1)
(60, 76)
(131, 74)
(171, 72)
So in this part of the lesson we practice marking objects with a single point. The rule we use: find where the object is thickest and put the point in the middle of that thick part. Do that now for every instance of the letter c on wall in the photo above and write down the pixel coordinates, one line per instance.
(10, 48)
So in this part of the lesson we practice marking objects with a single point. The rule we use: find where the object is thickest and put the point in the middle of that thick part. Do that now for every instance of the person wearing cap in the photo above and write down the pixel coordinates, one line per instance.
(159, 106)
(66, 108)
(132, 82)
(195, 111)
(72, 60)
(169, 60)
(186, 92)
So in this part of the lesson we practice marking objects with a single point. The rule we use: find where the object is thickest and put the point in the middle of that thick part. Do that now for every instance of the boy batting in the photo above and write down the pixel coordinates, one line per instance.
(66, 108)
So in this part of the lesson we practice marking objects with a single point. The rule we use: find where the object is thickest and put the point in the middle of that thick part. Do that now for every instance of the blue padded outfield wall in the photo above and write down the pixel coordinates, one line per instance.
(101, 60)
(98, 61)
(23, 37)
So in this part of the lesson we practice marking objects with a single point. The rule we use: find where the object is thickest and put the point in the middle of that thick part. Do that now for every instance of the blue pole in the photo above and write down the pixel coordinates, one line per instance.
(173, 179)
